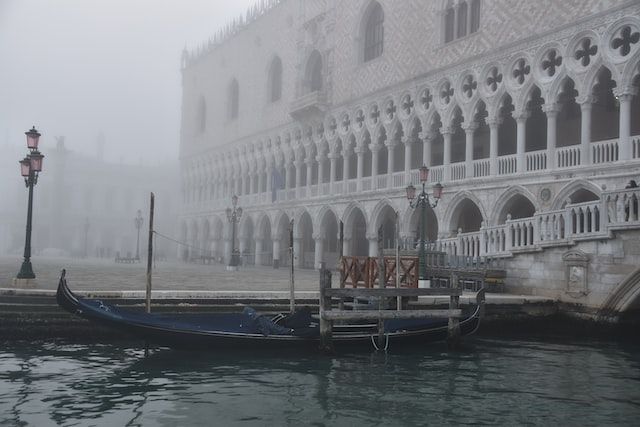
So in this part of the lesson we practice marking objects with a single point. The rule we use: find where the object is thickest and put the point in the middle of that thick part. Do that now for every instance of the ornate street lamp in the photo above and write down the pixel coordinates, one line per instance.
(138, 220)
(423, 201)
(233, 215)
(30, 167)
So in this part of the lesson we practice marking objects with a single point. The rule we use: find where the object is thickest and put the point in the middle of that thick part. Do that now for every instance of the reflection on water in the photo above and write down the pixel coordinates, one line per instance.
(490, 382)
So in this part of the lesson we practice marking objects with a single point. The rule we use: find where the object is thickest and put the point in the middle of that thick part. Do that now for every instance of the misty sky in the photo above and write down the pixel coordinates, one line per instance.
(80, 67)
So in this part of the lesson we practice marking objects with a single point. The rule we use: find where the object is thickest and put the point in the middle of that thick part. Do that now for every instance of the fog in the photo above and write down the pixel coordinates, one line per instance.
(78, 68)
(89, 71)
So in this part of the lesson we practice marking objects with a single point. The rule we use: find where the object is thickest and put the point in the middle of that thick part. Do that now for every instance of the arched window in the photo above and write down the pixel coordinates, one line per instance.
(275, 80)
(475, 16)
(314, 72)
(233, 99)
(374, 32)
(201, 118)
(462, 19)
(449, 19)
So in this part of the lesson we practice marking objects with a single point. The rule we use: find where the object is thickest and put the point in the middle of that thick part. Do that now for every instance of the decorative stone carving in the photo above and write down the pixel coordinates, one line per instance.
(577, 273)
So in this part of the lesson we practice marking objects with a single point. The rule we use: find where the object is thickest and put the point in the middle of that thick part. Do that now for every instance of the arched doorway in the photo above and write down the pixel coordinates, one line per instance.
(306, 253)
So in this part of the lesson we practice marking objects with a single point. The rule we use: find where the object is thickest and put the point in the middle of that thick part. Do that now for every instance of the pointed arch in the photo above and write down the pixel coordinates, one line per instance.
(457, 206)
(516, 201)
(372, 31)
(578, 186)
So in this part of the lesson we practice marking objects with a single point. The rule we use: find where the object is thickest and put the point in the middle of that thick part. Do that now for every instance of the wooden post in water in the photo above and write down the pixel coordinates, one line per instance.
(326, 326)
(340, 260)
(399, 298)
(292, 294)
(150, 255)
(381, 285)
(453, 330)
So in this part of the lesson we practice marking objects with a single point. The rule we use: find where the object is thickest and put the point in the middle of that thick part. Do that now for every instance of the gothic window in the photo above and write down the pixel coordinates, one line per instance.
(233, 100)
(314, 72)
(374, 33)
(201, 120)
(275, 80)
(475, 16)
(449, 19)
(462, 19)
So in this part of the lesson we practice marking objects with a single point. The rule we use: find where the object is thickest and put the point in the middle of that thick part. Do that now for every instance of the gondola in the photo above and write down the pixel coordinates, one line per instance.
(248, 330)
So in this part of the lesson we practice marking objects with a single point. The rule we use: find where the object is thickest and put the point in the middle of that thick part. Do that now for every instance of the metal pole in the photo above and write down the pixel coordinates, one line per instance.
(234, 260)
(399, 298)
(26, 271)
(423, 218)
(150, 254)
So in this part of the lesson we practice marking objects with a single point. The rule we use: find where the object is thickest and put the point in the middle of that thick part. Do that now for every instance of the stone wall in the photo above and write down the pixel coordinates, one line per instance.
(545, 273)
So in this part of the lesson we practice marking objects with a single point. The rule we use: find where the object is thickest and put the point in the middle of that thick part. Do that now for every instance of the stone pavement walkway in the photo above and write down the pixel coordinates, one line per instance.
(106, 275)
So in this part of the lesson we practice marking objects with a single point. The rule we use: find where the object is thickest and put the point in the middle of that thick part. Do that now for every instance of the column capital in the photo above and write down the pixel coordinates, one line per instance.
(320, 157)
(585, 100)
(446, 130)
(521, 116)
(426, 135)
(360, 149)
(298, 163)
(551, 109)
(470, 127)
(493, 122)
(374, 148)
(390, 143)
(625, 93)
(406, 140)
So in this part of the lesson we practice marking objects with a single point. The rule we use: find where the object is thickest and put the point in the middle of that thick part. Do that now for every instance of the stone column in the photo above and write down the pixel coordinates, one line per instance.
(426, 137)
(227, 250)
(252, 185)
(298, 164)
(408, 148)
(521, 121)
(585, 131)
(624, 145)
(320, 159)
(360, 167)
(494, 126)
(287, 177)
(276, 250)
(391, 145)
(373, 245)
(345, 165)
(297, 255)
(319, 251)
(446, 132)
(269, 177)
(309, 163)
(375, 150)
(333, 158)
(260, 181)
(346, 245)
(258, 254)
(469, 129)
(551, 110)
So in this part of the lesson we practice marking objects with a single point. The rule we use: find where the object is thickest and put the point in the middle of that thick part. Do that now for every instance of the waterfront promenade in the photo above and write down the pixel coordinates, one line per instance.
(106, 275)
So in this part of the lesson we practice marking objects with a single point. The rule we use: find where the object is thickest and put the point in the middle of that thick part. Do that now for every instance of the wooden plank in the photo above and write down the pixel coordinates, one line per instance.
(388, 314)
(390, 292)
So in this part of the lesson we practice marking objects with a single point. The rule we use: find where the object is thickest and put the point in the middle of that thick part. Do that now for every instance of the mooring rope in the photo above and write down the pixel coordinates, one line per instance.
(386, 343)
(179, 242)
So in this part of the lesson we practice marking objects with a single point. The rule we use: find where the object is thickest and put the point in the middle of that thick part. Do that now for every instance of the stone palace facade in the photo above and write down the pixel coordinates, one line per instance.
(322, 111)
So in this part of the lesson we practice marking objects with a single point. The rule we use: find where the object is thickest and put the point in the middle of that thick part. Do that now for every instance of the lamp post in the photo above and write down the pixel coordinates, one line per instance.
(423, 201)
(138, 220)
(30, 167)
(233, 215)
(86, 233)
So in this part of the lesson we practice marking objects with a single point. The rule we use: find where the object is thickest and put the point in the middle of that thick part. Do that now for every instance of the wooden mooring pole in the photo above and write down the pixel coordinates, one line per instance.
(453, 330)
(381, 284)
(326, 325)
(292, 286)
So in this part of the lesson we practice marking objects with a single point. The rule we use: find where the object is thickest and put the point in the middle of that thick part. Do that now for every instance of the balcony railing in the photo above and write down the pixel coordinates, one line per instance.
(601, 152)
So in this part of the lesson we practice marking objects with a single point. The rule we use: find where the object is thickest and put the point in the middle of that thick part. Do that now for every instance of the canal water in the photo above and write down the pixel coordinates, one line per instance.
(492, 381)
